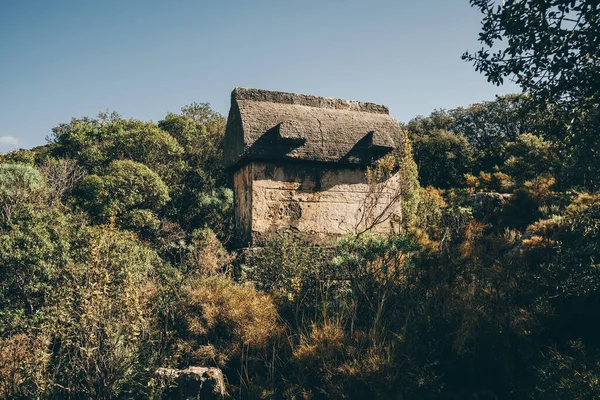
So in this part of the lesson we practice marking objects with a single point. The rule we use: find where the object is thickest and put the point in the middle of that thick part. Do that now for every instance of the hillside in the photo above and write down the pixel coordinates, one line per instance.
(117, 260)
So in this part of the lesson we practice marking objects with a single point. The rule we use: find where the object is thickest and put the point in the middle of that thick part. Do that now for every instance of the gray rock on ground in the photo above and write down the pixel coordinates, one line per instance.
(194, 382)
(486, 203)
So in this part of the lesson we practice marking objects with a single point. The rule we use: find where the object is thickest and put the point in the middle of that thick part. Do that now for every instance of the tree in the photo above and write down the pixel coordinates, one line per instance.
(95, 143)
(18, 184)
(126, 186)
(483, 129)
(203, 198)
(443, 158)
(145, 143)
(490, 125)
(34, 250)
(551, 49)
(528, 157)
(22, 156)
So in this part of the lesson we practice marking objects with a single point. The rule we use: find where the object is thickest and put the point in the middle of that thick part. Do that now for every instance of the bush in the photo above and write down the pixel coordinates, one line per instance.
(285, 265)
(102, 334)
(22, 157)
(23, 366)
(490, 182)
(19, 184)
(528, 157)
(521, 210)
(75, 308)
(35, 251)
(205, 254)
(127, 186)
(442, 158)
(225, 324)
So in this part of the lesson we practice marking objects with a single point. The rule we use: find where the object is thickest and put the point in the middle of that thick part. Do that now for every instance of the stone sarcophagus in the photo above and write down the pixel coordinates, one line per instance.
(299, 162)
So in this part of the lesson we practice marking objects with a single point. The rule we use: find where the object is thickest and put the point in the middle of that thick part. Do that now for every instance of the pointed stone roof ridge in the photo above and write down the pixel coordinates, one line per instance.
(271, 96)
(272, 126)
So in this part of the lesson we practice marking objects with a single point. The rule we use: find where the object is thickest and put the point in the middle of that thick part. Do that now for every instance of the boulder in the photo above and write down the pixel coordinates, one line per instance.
(203, 383)
(486, 204)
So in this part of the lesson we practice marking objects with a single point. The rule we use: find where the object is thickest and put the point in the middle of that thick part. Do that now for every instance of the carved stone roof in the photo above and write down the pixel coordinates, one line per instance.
(269, 125)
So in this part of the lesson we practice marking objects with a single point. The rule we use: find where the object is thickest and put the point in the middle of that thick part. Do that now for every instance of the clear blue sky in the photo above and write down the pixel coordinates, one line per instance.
(143, 58)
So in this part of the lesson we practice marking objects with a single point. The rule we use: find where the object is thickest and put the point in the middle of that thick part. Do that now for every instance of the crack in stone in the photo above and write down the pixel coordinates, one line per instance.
(322, 136)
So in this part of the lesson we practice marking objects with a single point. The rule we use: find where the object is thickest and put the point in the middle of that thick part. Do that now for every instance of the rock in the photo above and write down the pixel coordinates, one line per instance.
(487, 203)
(194, 382)
(269, 125)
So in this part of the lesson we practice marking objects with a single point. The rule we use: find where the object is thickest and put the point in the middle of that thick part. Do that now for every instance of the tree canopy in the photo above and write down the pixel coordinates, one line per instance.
(551, 48)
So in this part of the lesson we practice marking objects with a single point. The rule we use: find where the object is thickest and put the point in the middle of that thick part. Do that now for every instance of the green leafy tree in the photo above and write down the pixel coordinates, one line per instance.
(126, 186)
(528, 157)
(443, 158)
(19, 184)
(437, 120)
(200, 131)
(551, 49)
(95, 143)
(490, 125)
(35, 249)
(90, 141)
(204, 198)
(487, 127)
(145, 143)
(22, 156)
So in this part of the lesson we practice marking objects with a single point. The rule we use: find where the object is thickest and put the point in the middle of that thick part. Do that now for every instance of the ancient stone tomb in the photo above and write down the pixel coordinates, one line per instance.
(299, 164)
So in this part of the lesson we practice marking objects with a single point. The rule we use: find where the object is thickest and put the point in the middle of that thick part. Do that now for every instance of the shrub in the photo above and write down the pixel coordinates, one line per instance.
(528, 157)
(430, 211)
(569, 373)
(284, 265)
(442, 158)
(35, 251)
(19, 184)
(24, 360)
(102, 336)
(521, 210)
(22, 156)
(127, 186)
(225, 323)
(488, 181)
(205, 254)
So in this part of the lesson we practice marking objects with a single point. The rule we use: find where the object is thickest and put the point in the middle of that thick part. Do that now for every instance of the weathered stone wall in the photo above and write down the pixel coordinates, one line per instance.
(318, 201)
(242, 186)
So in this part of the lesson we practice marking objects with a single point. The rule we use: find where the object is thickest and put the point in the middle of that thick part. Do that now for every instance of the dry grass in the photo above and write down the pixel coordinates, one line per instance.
(23, 366)
(225, 320)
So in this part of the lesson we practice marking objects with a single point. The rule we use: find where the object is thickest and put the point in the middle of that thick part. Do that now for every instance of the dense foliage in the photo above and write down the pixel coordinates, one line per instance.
(550, 48)
(116, 260)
